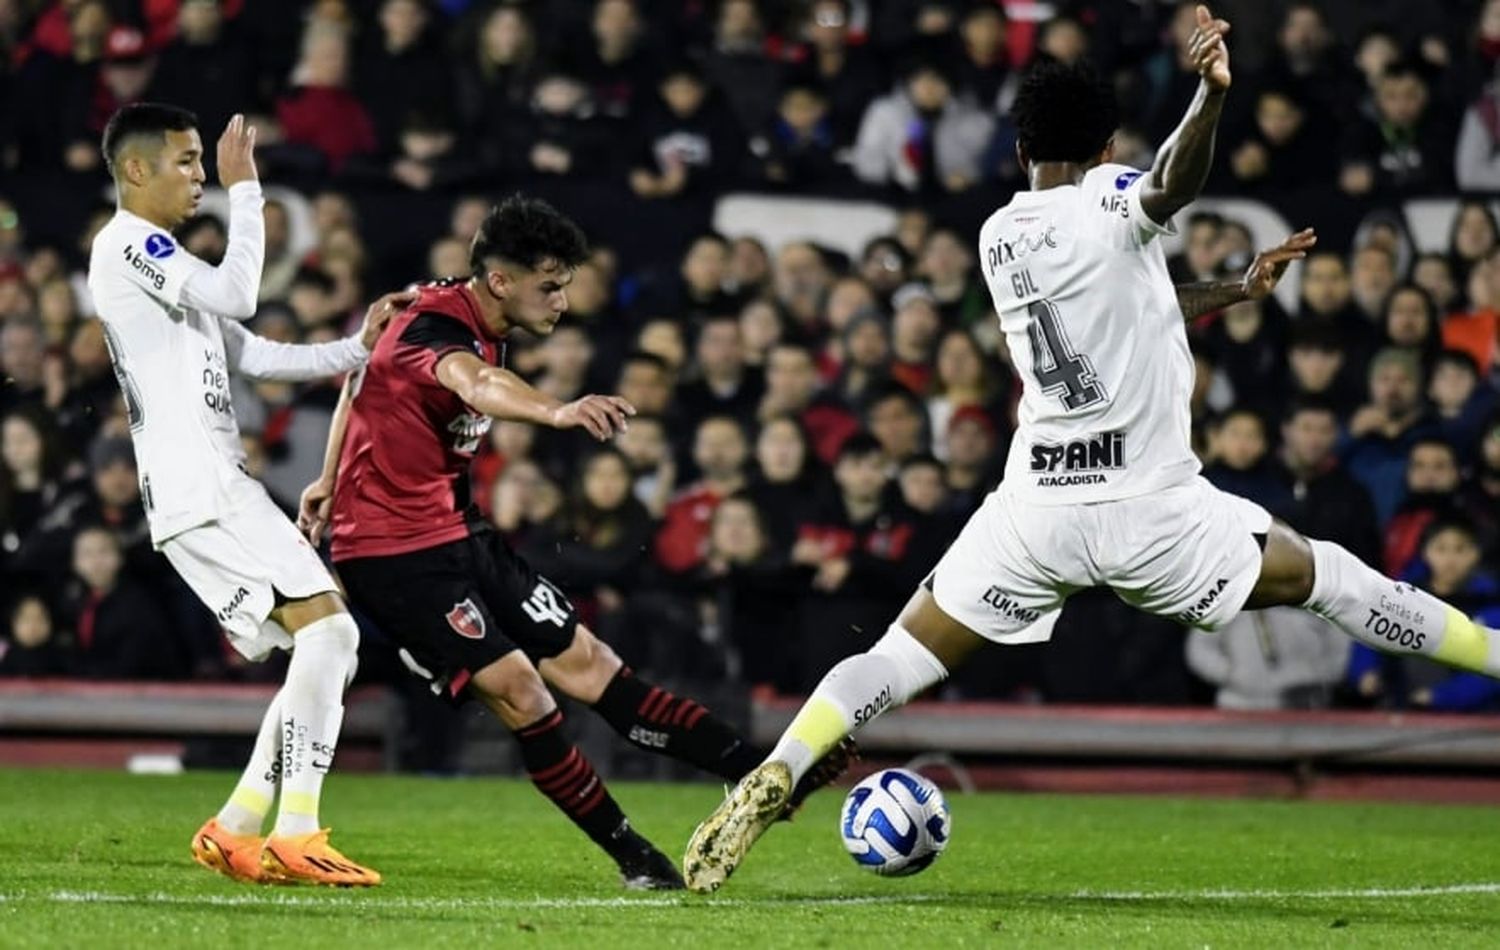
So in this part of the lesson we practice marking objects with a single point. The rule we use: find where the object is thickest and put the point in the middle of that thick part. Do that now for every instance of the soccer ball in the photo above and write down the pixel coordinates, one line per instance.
(895, 823)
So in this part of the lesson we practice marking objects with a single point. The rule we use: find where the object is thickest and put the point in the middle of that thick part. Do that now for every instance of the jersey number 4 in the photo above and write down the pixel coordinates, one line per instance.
(1060, 371)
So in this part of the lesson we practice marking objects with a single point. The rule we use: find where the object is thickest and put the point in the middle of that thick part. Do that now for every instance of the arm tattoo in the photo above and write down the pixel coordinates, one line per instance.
(1208, 296)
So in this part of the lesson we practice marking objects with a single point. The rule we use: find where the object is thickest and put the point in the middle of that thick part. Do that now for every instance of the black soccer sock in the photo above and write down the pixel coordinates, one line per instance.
(657, 721)
(562, 773)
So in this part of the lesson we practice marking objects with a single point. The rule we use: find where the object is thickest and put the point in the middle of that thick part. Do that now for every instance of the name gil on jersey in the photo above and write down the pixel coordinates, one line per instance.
(143, 264)
(1103, 452)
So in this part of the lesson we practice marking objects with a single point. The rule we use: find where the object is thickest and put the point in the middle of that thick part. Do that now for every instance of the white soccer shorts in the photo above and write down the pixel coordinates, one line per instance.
(237, 565)
(1188, 553)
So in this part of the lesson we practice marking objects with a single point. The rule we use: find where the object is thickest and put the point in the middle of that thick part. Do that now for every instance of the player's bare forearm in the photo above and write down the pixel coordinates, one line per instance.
(1182, 167)
(496, 392)
(337, 428)
(1209, 295)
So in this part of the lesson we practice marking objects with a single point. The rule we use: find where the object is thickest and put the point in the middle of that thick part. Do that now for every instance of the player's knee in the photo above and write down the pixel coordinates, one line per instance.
(584, 669)
(513, 689)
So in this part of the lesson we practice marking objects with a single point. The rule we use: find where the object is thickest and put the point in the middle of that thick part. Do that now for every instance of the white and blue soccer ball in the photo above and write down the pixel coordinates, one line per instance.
(895, 823)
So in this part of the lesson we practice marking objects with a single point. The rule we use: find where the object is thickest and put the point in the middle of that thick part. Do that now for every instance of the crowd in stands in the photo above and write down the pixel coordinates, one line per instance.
(813, 426)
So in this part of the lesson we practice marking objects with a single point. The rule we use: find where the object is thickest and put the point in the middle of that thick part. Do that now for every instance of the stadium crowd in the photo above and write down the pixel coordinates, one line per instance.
(814, 427)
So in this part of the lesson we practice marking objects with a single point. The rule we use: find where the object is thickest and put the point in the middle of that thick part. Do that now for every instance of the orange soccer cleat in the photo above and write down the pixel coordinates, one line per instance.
(310, 859)
(236, 856)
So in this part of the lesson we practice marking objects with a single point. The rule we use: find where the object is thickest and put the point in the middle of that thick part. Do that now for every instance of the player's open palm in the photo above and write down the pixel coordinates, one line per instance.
(603, 416)
(237, 152)
(1206, 49)
(1266, 269)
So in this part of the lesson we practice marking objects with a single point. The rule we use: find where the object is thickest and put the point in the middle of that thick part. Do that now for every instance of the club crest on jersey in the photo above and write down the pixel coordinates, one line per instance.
(466, 620)
(467, 429)
(159, 246)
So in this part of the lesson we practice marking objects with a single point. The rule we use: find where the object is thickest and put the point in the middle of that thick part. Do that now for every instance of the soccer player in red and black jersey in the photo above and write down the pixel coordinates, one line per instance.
(470, 614)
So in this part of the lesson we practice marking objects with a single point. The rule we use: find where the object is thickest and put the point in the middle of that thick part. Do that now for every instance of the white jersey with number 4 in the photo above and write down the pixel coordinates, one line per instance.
(1095, 331)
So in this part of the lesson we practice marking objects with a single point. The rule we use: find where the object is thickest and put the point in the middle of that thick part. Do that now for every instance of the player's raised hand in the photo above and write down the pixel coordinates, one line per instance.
(603, 416)
(237, 152)
(314, 508)
(1207, 51)
(1266, 270)
(381, 312)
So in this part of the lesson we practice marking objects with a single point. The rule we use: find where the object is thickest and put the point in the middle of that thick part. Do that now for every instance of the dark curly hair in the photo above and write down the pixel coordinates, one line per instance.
(1064, 113)
(527, 231)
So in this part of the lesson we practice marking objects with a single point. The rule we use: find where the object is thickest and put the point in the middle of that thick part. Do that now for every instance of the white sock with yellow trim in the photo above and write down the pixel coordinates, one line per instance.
(323, 654)
(247, 808)
(854, 692)
(1396, 617)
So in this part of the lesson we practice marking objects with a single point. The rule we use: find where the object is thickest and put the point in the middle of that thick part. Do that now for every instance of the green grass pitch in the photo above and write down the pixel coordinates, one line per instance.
(101, 859)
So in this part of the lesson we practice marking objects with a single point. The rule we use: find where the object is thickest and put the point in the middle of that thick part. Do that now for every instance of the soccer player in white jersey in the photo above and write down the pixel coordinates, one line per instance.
(1102, 488)
(172, 322)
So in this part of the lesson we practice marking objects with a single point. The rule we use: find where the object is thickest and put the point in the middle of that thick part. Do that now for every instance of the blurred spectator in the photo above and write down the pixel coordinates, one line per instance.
(760, 329)
(921, 138)
(724, 386)
(614, 59)
(847, 74)
(1434, 274)
(653, 468)
(1242, 466)
(1411, 323)
(1327, 298)
(402, 72)
(646, 383)
(22, 352)
(1064, 39)
(985, 72)
(1372, 277)
(749, 268)
(865, 349)
(1282, 658)
(1306, 63)
(319, 112)
(962, 376)
(948, 266)
(30, 646)
(31, 473)
(523, 499)
(895, 416)
(1450, 568)
(566, 355)
(1432, 478)
(118, 631)
(1282, 151)
(976, 459)
(788, 477)
(494, 84)
(1202, 254)
(594, 550)
(52, 131)
(688, 144)
(801, 280)
(792, 390)
(1476, 158)
(1382, 432)
(885, 265)
(1477, 332)
(1248, 339)
(700, 287)
(1472, 237)
(1483, 491)
(209, 69)
(560, 134)
(1460, 401)
(1320, 498)
(1406, 146)
(756, 594)
(914, 330)
(720, 454)
(798, 148)
(1316, 366)
(865, 557)
(738, 65)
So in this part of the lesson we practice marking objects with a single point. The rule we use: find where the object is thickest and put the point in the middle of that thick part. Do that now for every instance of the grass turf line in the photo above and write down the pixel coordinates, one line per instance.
(103, 857)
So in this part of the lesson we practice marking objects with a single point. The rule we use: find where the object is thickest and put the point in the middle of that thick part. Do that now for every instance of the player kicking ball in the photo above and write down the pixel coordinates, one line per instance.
(172, 322)
(1101, 485)
(469, 614)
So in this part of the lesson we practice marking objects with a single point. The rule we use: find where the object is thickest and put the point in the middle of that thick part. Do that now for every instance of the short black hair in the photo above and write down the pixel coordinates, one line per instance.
(922, 460)
(859, 445)
(140, 120)
(1310, 403)
(1462, 359)
(527, 231)
(1434, 442)
(646, 357)
(1064, 113)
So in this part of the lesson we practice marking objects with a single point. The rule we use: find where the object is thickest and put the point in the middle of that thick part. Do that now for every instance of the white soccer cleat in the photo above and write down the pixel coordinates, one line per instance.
(721, 842)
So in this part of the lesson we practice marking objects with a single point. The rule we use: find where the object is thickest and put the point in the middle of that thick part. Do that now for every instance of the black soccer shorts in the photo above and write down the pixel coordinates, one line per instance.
(458, 607)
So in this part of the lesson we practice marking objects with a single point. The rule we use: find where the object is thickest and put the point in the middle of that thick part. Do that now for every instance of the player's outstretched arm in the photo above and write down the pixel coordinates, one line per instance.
(232, 289)
(503, 395)
(1260, 278)
(316, 504)
(259, 358)
(1182, 163)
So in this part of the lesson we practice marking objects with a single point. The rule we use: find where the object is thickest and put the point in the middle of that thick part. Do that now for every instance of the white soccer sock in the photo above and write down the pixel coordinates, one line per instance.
(854, 692)
(1396, 617)
(246, 809)
(323, 653)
